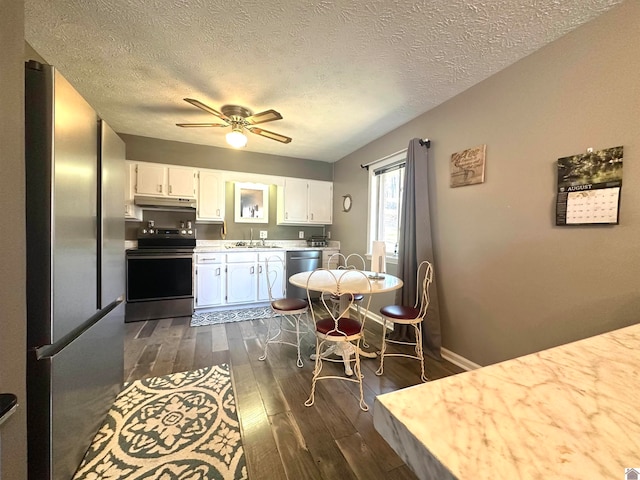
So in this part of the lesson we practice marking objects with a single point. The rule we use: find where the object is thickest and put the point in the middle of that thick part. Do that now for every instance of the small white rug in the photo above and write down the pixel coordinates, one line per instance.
(227, 316)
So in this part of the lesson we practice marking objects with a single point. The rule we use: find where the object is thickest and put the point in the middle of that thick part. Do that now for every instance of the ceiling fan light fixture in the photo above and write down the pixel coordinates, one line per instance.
(236, 138)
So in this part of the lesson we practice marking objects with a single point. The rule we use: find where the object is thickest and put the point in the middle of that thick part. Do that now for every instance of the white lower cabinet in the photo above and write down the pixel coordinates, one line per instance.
(237, 278)
(326, 255)
(276, 269)
(209, 280)
(242, 277)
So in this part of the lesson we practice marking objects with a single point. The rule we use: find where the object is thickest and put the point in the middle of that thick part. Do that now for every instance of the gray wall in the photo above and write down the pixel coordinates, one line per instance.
(147, 149)
(13, 435)
(510, 281)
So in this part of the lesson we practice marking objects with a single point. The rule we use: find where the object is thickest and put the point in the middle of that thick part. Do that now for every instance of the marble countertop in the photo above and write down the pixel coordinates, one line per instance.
(571, 411)
(228, 246)
(203, 246)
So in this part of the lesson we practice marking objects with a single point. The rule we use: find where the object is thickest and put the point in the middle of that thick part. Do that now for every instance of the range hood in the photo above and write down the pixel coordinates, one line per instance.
(165, 203)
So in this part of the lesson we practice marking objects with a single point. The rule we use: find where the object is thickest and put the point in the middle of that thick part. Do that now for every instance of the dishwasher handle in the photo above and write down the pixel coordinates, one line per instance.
(308, 256)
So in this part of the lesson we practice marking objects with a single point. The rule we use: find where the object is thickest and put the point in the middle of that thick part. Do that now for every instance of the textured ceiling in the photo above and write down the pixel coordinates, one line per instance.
(341, 73)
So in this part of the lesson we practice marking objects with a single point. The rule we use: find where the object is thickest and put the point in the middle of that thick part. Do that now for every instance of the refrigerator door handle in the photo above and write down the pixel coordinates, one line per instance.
(8, 405)
(48, 351)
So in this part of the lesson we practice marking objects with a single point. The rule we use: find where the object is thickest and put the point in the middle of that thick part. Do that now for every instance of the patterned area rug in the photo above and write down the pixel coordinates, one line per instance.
(226, 316)
(182, 426)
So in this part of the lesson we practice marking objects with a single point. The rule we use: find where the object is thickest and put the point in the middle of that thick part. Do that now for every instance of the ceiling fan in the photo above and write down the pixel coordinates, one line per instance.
(239, 119)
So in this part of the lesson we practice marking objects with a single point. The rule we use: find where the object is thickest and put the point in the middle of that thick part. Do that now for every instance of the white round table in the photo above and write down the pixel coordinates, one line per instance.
(325, 281)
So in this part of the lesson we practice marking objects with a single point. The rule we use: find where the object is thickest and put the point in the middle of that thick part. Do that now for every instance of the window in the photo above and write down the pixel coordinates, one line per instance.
(386, 181)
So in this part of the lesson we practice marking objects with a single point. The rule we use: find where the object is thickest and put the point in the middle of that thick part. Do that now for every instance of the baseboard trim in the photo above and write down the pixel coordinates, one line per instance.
(458, 360)
(448, 355)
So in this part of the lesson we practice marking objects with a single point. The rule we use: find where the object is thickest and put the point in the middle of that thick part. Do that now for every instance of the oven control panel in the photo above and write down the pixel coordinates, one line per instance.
(166, 237)
(168, 233)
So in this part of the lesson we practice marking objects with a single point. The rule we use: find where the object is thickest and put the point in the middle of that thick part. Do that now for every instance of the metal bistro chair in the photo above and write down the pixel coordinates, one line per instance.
(286, 313)
(352, 261)
(335, 332)
(403, 315)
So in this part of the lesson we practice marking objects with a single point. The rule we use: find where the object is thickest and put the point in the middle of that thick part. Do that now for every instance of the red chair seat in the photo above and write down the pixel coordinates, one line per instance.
(400, 312)
(348, 327)
(289, 304)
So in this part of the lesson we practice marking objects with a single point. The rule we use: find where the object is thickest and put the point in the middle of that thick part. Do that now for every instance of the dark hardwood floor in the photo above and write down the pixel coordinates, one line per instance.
(282, 438)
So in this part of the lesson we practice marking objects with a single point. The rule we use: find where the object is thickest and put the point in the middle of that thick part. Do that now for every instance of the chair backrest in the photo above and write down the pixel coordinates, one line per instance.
(344, 284)
(425, 274)
(355, 261)
(337, 260)
(274, 268)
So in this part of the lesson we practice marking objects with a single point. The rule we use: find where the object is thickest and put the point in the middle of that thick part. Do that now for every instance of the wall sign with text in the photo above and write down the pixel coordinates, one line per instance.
(589, 187)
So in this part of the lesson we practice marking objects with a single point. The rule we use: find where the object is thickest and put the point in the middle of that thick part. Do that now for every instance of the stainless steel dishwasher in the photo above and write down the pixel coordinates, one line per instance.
(302, 261)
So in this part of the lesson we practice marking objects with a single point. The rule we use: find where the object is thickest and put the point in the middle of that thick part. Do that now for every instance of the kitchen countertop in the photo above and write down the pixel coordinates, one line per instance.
(203, 246)
(571, 411)
(224, 246)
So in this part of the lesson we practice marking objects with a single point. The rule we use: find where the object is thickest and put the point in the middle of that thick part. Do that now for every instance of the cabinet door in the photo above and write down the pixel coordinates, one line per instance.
(279, 283)
(321, 202)
(326, 255)
(150, 179)
(209, 285)
(210, 196)
(295, 201)
(131, 211)
(181, 182)
(242, 282)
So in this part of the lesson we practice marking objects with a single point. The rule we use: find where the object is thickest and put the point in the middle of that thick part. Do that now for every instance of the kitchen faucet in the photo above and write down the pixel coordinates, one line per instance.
(251, 238)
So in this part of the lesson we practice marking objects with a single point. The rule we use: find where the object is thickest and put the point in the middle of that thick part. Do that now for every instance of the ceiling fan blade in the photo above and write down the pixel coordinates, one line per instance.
(206, 108)
(188, 125)
(268, 134)
(262, 117)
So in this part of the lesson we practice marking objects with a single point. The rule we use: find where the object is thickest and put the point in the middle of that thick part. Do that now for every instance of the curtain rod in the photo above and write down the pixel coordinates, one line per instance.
(424, 142)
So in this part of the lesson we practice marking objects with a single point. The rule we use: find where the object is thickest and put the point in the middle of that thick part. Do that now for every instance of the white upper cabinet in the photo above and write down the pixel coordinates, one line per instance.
(181, 182)
(304, 202)
(294, 200)
(320, 202)
(131, 210)
(211, 202)
(165, 181)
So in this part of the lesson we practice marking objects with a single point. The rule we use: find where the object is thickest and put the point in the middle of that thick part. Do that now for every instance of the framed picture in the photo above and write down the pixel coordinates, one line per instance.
(467, 167)
(251, 203)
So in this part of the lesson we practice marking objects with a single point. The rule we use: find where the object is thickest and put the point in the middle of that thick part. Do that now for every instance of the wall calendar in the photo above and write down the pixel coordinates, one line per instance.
(589, 188)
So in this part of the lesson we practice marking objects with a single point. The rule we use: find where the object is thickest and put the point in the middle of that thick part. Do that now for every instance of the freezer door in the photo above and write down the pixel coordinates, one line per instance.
(112, 173)
(83, 380)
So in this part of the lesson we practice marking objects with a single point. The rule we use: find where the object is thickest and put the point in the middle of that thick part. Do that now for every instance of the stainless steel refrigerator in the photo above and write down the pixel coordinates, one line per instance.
(75, 272)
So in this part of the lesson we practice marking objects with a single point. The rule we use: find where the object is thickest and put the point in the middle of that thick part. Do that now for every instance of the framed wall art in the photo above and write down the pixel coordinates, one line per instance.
(251, 203)
(467, 167)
